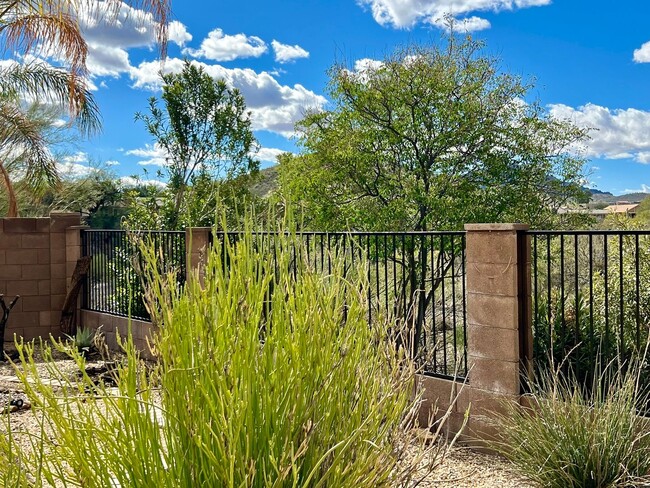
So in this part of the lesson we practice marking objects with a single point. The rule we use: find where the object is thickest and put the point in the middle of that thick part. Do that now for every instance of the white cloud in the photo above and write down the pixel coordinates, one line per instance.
(177, 33)
(153, 155)
(269, 154)
(406, 13)
(618, 134)
(73, 170)
(642, 55)
(643, 189)
(274, 107)
(132, 181)
(285, 53)
(74, 165)
(222, 47)
(468, 24)
(107, 60)
(78, 157)
(111, 33)
(112, 163)
(365, 64)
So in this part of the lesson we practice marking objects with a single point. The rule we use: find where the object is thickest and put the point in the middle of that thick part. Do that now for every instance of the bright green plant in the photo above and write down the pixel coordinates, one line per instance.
(83, 338)
(576, 437)
(291, 394)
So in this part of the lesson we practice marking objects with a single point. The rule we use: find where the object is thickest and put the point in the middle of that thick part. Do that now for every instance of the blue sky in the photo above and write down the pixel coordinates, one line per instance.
(589, 60)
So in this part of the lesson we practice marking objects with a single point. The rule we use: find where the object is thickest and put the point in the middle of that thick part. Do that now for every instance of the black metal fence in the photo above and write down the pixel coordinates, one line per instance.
(414, 278)
(114, 284)
(417, 279)
(591, 298)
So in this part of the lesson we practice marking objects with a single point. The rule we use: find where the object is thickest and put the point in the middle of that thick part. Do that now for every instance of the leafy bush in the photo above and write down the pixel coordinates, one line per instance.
(297, 397)
(573, 437)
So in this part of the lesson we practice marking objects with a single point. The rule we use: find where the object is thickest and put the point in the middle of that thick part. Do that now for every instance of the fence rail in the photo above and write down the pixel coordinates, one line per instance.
(415, 278)
(590, 298)
(114, 284)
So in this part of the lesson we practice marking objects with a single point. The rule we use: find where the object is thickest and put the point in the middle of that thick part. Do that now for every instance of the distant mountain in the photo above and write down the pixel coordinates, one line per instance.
(598, 196)
(266, 182)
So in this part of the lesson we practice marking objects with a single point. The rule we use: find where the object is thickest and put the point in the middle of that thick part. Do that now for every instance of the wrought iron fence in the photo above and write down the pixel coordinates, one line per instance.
(416, 279)
(590, 299)
(114, 284)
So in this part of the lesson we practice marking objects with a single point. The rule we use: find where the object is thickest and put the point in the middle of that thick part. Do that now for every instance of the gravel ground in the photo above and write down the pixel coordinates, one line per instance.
(462, 467)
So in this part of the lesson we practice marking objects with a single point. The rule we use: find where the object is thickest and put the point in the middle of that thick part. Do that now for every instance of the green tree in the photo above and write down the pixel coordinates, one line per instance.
(429, 139)
(204, 129)
(98, 195)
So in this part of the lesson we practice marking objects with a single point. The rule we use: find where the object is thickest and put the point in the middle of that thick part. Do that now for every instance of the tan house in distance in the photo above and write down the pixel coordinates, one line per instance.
(626, 208)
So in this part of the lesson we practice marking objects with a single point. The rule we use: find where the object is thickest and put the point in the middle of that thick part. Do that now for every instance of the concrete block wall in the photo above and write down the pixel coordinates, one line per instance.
(34, 264)
(111, 326)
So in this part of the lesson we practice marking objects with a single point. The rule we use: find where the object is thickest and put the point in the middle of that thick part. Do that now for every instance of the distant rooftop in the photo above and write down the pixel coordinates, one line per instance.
(622, 207)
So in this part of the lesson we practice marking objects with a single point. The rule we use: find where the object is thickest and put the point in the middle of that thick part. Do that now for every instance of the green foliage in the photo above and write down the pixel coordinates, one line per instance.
(204, 128)
(294, 397)
(431, 138)
(127, 294)
(598, 315)
(574, 438)
(83, 338)
(205, 198)
(98, 195)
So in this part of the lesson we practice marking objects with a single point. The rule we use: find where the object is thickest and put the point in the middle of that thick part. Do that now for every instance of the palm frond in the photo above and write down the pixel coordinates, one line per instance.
(43, 83)
(58, 31)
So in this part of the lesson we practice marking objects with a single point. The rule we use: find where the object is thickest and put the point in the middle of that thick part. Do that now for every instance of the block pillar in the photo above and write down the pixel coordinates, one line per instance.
(498, 275)
(197, 242)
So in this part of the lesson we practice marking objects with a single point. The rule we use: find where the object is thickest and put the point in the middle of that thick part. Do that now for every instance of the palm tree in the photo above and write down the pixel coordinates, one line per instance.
(26, 27)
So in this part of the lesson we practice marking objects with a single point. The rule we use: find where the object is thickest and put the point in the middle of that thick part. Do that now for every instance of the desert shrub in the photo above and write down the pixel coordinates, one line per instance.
(294, 396)
(576, 437)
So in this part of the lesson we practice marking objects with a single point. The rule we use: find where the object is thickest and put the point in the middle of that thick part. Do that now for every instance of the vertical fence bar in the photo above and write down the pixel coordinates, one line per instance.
(637, 290)
(621, 309)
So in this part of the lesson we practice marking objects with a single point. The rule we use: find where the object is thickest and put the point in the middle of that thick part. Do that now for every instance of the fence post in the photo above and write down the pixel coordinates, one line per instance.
(197, 241)
(498, 300)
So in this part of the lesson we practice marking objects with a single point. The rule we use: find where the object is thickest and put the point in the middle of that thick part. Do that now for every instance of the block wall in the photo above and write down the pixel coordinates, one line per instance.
(35, 264)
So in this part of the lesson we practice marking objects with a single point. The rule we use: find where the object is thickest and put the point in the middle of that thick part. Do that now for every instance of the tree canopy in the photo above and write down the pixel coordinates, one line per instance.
(429, 139)
(205, 131)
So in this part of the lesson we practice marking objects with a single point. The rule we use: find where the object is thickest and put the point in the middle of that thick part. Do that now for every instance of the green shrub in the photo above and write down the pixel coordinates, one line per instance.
(83, 338)
(294, 397)
(576, 437)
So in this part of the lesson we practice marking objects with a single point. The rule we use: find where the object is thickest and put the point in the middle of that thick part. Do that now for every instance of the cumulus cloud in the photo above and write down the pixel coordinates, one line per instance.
(269, 154)
(151, 154)
(469, 24)
(642, 55)
(643, 189)
(111, 33)
(222, 47)
(365, 64)
(74, 165)
(406, 13)
(617, 134)
(274, 107)
(133, 181)
(285, 53)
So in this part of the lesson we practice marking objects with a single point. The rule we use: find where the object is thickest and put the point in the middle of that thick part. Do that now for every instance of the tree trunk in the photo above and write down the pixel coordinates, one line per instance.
(13, 205)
